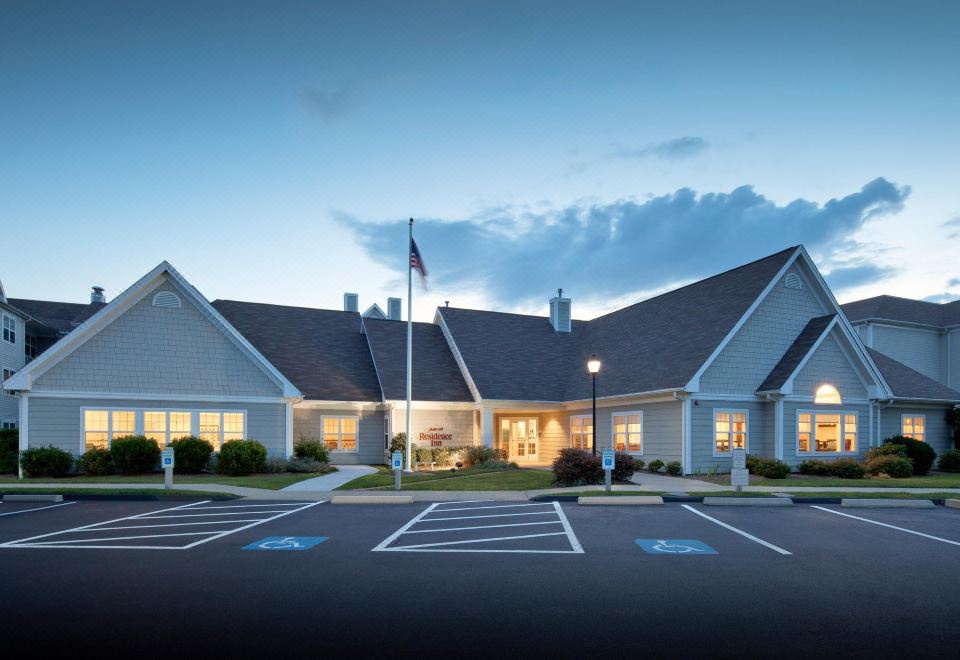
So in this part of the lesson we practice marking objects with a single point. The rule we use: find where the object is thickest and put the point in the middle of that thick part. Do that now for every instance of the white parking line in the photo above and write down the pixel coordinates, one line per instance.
(494, 538)
(413, 521)
(39, 508)
(875, 522)
(498, 506)
(738, 531)
(461, 529)
(495, 515)
(205, 515)
(463, 502)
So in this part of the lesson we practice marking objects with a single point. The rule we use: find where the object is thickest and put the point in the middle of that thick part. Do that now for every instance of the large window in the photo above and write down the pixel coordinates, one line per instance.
(101, 427)
(219, 427)
(9, 329)
(581, 431)
(826, 433)
(5, 374)
(729, 431)
(30, 349)
(340, 433)
(914, 426)
(628, 431)
(165, 427)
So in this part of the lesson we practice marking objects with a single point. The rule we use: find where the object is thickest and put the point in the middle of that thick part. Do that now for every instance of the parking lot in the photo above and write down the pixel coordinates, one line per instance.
(468, 578)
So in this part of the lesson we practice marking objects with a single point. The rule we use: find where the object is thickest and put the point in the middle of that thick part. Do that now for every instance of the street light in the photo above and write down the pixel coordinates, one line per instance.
(593, 366)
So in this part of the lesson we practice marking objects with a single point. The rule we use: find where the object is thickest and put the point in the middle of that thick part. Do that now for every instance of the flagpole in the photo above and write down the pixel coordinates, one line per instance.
(409, 444)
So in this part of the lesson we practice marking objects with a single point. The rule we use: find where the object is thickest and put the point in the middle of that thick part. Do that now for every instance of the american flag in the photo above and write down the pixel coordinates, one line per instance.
(416, 262)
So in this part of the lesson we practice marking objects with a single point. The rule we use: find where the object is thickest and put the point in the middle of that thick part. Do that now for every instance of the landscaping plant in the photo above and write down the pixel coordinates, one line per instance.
(674, 468)
(46, 462)
(815, 467)
(919, 452)
(96, 462)
(305, 465)
(950, 460)
(623, 467)
(190, 455)
(655, 465)
(577, 467)
(953, 421)
(891, 465)
(242, 457)
(135, 454)
(9, 450)
(847, 468)
(769, 468)
(307, 447)
(479, 454)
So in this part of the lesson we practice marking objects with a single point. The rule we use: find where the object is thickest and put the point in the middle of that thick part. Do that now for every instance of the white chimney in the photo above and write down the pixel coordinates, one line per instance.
(351, 302)
(394, 309)
(96, 295)
(560, 314)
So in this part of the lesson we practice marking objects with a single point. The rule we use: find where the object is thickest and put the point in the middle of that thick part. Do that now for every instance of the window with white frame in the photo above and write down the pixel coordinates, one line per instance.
(9, 329)
(30, 348)
(628, 431)
(914, 426)
(101, 427)
(8, 424)
(166, 426)
(826, 432)
(219, 427)
(340, 433)
(581, 431)
(4, 375)
(730, 428)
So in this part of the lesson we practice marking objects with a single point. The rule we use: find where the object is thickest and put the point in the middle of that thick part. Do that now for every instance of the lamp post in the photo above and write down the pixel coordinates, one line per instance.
(593, 366)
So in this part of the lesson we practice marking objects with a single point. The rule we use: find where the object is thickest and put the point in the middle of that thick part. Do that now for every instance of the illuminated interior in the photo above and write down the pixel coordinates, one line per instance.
(827, 394)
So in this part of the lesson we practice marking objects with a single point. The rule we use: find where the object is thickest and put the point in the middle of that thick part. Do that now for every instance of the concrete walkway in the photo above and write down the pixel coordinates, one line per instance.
(331, 481)
(668, 484)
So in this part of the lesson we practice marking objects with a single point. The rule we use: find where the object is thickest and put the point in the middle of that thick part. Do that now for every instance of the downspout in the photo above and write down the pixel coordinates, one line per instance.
(686, 443)
(880, 406)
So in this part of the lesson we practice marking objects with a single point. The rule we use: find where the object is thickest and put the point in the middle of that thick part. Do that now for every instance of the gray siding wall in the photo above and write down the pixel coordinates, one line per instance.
(760, 436)
(158, 350)
(829, 365)
(307, 422)
(662, 429)
(954, 366)
(753, 352)
(920, 349)
(938, 433)
(459, 423)
(58, 422)
(790, 409)
(11, 357)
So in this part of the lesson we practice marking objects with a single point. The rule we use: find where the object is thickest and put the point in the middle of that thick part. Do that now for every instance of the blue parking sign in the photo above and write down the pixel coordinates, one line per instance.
(684, 547)
(286, 543)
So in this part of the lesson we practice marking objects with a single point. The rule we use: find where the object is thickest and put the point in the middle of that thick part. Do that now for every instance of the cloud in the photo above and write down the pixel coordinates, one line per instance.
(953, 283)
(953, 227)
(947, 296)
(853, 276)
(599, 251)
(676, 149)
(330, 104)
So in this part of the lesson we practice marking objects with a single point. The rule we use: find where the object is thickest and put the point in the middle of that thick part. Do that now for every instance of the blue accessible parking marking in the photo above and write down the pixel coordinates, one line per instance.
(675, 547)
(286, 543)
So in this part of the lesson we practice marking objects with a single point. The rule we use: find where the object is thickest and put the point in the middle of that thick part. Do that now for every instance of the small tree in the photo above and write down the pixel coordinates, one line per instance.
(953, 420)
(398, 442)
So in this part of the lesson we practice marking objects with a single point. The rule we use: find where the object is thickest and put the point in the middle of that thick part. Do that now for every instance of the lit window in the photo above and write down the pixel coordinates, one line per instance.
(826, 433)
(232, 426)
(729, 431)
(340, 433)
(155, 426)
(96, 429)
(827, 394)
(581, 432)
(180, 426)
(9, 329)
(627, 431)
(914, 426)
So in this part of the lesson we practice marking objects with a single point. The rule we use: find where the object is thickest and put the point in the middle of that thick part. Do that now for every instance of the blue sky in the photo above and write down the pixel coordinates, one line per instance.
(271, 151)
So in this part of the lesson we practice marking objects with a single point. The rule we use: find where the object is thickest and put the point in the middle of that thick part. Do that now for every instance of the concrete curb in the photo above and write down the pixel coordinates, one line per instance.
(953, 504)
(625, 500)
(863, 503)
(33, 498)
(371, 499)
(747, 501)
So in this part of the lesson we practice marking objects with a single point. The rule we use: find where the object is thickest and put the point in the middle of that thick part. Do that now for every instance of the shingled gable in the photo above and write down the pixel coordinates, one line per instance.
(904, 310)
(802, 346)
(908, 384)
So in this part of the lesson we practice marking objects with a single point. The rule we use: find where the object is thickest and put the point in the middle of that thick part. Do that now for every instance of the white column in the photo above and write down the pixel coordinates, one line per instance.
(685, 434)
(288, 432)
(486, 427)
(778, 432)
(24, 425)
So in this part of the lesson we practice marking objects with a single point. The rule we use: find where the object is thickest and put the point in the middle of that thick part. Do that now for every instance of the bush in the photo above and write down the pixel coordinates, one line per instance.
(276, 465)
(655, 465)
(135, 454)
(398, 442)
(638, 464)
(890, 465)
(495, 464)
(886, 449)
(305, 465)
(46, 462)
(311, 448)
(623, 467)
(847, 468)
(577, 467)
(479, 454)
(190, 455)
(9, 450)
(674, 468)
(919, 452)
(96, 462)
(240, 457)
(769, 468)
(814, 467)
(950, 460)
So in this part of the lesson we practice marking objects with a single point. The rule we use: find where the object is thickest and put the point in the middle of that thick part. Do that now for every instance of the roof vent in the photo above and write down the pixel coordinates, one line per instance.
(351, 302)
(792, 281)
(166, 299)
(560, 312)
(96, 295)
(394, 309)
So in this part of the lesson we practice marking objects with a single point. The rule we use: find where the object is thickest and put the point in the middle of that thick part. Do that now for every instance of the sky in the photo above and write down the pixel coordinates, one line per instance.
(273, 151)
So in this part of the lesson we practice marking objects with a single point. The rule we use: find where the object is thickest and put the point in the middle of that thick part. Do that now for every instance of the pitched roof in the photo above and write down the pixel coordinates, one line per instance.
(60, 316)
(794, 355)
(322, 352)
(909, 384)
(907, 310)
(436, 376)
(656, 344)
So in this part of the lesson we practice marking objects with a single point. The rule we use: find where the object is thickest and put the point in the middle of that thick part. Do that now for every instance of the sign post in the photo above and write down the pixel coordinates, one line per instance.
(608, 458)
(739, 475)
(166, 462)
(397, 464)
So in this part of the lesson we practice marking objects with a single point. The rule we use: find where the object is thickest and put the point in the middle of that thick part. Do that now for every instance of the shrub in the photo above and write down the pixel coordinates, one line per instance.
(638, 464)
(577, 467)
(311, 448)
(240, 457)
(919, 452)
(190, 455)
(886, 449)
(623, 467)
(655, 465)
(96, 462)
(847, 468)
(674, 468)
(890, 465)
(478, 454)
(275, 465)
(9, 450)
(135, 454)
(495, 463)
(46, 462)
(398, 442)
(306, 465)
(950, 460)
(769, 468)
(814, 467)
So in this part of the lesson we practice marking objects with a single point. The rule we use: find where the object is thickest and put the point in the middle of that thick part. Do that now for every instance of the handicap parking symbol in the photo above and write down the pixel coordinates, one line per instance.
(286, 543)
(675, 547)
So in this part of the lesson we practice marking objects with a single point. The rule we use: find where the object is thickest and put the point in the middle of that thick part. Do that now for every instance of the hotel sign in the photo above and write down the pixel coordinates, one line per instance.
(436, 436)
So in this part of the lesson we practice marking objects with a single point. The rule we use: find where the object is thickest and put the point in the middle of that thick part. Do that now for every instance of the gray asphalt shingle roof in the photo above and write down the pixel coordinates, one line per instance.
(797, 351)
(893, 308)
(436, 376)
(60, 316)
(909, 384)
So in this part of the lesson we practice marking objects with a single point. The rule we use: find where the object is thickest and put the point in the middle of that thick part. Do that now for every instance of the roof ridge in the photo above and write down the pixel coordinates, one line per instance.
(311, 309)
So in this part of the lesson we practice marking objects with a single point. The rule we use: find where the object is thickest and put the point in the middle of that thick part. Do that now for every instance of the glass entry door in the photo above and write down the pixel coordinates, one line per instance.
(519, 438)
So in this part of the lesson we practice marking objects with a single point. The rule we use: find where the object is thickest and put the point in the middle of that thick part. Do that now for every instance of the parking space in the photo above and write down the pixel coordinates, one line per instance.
(19, 508)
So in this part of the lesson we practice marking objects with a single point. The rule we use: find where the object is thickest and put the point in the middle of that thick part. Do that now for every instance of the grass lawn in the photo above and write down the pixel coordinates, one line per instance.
(930, 481)
(469, 479)
(160, 494)
(795, 496)
(272, 481)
